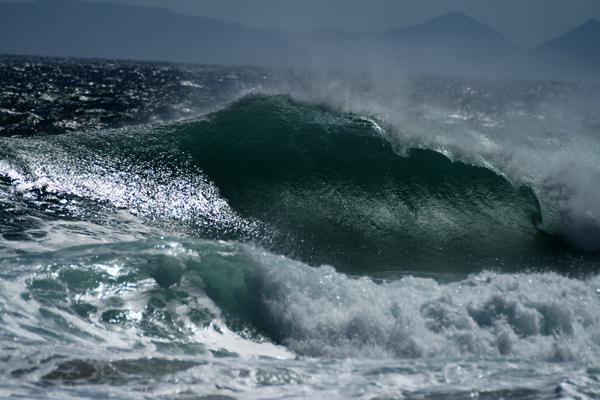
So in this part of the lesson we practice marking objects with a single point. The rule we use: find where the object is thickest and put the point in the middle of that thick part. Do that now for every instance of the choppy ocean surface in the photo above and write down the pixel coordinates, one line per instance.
(204, 232)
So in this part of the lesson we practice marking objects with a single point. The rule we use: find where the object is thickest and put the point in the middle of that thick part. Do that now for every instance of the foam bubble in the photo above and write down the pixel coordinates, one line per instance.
(319, 312)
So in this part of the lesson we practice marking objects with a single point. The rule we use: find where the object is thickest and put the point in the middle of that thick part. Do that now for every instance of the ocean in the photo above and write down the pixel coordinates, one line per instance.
(205, 232)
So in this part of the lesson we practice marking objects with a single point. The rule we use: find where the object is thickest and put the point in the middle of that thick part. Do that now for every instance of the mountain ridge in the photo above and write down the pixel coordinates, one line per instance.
(452, 43)
(457, 22)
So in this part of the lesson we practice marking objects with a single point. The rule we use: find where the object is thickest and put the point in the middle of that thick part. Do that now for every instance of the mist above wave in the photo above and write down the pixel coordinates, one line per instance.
(544, 135)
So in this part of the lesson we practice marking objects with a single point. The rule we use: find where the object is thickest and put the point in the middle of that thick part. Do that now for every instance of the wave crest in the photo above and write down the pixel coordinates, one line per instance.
(302, 180)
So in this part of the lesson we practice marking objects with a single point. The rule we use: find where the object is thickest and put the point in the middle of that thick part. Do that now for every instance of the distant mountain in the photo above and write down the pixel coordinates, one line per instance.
(574, 55)
(455, 29)
(457, 41)
(89, 29)
(581, 44)
(452, 43)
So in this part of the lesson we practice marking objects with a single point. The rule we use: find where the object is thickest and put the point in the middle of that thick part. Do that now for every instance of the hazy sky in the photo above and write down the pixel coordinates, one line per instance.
(527, 22)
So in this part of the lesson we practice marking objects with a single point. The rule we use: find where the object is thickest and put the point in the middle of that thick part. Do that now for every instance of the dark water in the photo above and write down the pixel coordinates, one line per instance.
(187, 231)
(51, 96)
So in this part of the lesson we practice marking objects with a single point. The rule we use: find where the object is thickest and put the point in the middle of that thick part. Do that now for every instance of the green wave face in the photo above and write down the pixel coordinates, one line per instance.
(337, 192)
(298, 179)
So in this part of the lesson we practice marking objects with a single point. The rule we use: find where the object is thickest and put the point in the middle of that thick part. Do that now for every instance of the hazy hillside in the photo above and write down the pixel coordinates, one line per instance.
(450, 44)
(575, 53)
(63, 28)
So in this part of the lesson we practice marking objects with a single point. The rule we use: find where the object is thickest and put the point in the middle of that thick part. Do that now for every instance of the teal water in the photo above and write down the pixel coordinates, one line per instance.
(291, 245)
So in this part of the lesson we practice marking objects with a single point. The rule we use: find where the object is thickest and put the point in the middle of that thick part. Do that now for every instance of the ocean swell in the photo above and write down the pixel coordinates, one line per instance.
(302, 180)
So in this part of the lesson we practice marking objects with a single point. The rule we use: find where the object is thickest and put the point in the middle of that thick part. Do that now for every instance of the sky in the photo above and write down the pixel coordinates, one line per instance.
(527, 22)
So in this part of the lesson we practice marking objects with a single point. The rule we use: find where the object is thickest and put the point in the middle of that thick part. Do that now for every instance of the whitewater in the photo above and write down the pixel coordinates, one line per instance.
(199, 232)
